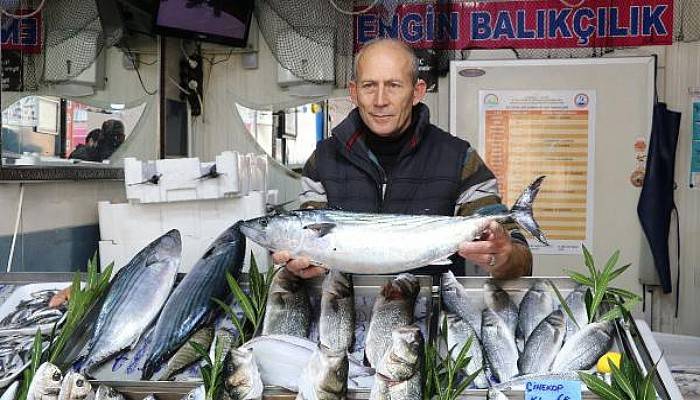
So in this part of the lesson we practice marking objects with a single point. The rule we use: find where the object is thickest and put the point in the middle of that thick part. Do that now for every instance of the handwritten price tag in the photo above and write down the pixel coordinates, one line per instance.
(553, 390)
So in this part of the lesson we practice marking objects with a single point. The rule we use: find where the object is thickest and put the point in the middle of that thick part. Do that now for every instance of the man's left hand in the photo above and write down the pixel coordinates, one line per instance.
(495, 252)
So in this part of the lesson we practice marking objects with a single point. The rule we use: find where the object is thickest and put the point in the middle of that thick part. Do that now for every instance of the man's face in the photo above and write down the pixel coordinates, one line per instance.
(383, 91)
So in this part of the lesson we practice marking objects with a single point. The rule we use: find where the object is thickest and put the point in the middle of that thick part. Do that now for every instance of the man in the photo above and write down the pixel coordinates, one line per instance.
(386, 157)
(88, 151)
(112, 137)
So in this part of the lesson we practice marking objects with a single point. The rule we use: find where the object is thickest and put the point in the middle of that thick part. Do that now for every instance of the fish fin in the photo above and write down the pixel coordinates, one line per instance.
(522, 211)
(321, 228)
(441, 261)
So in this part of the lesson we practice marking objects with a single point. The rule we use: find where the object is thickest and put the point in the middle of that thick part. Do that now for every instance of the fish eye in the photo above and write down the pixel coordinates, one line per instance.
(263, 221)
(79, 383)
(112, 392)
(56, 376)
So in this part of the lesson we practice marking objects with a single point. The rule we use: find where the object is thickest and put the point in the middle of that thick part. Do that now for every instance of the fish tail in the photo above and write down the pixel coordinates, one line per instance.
(522, 211)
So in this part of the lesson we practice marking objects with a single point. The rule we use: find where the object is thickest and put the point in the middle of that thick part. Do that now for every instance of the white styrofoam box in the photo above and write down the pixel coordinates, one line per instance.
(186, 179)
(127, 228)
(258, 172)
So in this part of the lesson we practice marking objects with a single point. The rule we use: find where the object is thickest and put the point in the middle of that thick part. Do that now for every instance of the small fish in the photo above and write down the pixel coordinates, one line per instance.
(11, 391)
(535, 306)
(576, 301)
(393, 308)
(584, 348)
(242, 379)
(543, 344)
(197, 393)
(499, 301)
(337, 321)
(325, 377)
(399, 375)
(74, 387)
(288, 308)
(499, 346)
(186, 355)
(458, 332)
(226, 337)
(457, 300)
(46, 384)
(108, 393)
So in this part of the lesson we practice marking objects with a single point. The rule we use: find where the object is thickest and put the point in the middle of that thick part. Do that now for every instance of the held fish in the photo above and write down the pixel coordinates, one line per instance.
(499, 346)
(583, 349)
(135, 298)
(325, 377)
(75, 387)
(458, 333)
(288, 306)
(457, 300)
(187, 355)
(364, 243)
(242, 379)
(499, 301)
(393, 308)
(543, 345)
(535, 306)
(190, 305)
(337, 320)
(46, 384)
(108, 393)
(398, 375)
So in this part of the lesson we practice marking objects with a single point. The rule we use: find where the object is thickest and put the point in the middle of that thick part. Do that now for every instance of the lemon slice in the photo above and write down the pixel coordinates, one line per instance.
(603, 367)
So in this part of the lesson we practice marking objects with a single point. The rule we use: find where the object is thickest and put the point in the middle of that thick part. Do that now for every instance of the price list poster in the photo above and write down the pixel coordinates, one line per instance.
(524, 134)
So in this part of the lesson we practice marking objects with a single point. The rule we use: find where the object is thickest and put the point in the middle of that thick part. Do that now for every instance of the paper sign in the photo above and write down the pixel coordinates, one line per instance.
(553, 390)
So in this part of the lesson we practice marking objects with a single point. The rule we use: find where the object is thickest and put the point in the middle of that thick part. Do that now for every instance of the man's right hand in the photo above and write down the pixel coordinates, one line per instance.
(300, 267)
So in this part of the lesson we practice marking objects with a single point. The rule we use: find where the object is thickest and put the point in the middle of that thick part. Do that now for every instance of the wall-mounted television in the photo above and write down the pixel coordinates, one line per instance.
(219, 21)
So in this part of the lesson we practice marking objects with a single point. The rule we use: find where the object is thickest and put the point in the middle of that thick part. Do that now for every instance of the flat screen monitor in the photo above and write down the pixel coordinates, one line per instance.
(219, 21)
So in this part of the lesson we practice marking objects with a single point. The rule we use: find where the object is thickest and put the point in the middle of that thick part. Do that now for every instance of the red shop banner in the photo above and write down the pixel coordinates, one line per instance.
(520, 24)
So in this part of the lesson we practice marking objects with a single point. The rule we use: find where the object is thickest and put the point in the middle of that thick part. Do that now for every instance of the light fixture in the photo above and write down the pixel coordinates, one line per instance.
(117, 106)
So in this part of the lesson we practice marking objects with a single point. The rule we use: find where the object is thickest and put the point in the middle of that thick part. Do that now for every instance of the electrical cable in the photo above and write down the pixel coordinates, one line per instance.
(136, 68)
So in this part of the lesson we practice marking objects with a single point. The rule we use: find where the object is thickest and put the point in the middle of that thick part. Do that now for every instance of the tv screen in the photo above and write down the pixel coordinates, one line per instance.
(219, 21)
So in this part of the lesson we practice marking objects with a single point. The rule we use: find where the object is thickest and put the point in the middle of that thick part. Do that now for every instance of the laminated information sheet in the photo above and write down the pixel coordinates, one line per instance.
(528, 133)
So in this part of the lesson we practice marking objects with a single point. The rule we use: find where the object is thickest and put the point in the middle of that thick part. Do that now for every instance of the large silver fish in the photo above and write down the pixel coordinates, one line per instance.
(499, 301)
(190, 305)
(576, 301)
(186, 355)
(393, 308)
(582, 351)
(337, 321)
(108, 393)
(288, 310)
(242, 379)
(399, 375)
(325, 377)
(282, 358)
(458, 301)
(458, 333)
(74, 387)
(364, 243)
(535, 306)
(135, 298)
(543, 344)
(46, 384)
(499, 346)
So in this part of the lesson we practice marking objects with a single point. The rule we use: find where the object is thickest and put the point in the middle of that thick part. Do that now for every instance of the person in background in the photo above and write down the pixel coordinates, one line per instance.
(386, 157)
(88, 151)
(112, 138)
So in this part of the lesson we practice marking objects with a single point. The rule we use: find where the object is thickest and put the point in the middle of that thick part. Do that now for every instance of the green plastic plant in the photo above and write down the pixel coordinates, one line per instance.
(212, 370)
(628, 382)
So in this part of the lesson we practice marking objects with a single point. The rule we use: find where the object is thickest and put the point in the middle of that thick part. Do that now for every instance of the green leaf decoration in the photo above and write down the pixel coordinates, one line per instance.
(563, 303)
(600, 388)
(622, 380)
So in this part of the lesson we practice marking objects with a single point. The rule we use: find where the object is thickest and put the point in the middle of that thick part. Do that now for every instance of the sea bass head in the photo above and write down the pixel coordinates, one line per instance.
(107, 393)
(46, 381)
(241, 376)
(74, 387)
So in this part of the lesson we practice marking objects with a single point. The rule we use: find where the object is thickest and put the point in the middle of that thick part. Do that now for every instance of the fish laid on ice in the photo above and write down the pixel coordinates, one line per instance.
(499, 301)
(534, 307)
(458, 333)
(399, 375)
(186, 355)
(364, 243)
(242, 379)
(457, 300)
(576, 301)
(584, 348)
(108, 393)
(393, 308)
(74, 387)
(191, 305)
(288, 307)
(46, 384)
(337, 320)
(499, 346)
(282, 358)
(135, 298)
(325, 377)
(543, 345)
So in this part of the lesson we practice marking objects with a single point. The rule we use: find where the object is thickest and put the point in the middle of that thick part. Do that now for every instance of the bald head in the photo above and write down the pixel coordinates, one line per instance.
(397, 47)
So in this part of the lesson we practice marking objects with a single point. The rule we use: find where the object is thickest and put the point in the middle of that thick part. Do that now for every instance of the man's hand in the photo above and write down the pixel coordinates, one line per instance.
(497, 254)
(300, 267)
